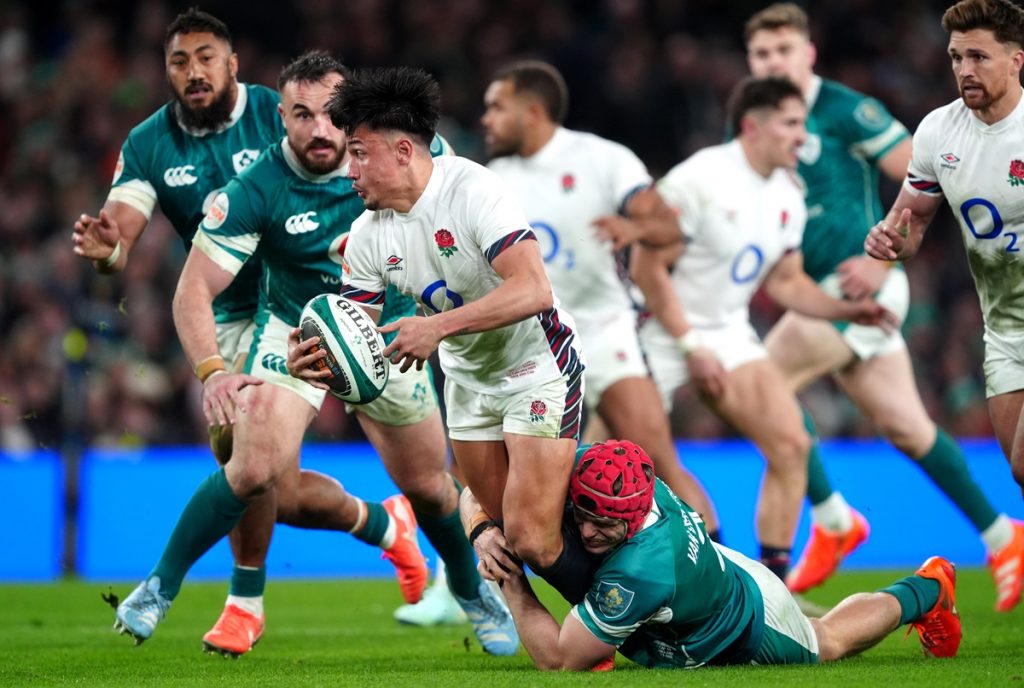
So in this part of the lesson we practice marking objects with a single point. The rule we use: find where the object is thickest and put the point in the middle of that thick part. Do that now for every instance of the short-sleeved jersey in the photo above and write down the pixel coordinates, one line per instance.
(300, 223)
(980, 170)
(574, 179)
(737, 225)
(440, 253)
(847, 134)
(163, 162)
(668, 597)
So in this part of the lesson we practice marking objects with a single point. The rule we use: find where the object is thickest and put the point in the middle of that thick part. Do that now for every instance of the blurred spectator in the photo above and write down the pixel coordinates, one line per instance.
(95, 360)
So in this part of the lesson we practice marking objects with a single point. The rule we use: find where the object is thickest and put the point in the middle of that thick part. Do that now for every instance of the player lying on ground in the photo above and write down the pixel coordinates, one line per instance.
(666, 596)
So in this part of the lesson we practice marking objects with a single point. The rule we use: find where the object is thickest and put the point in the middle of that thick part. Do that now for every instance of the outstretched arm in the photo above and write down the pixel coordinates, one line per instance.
(898, 236)
(107, 240)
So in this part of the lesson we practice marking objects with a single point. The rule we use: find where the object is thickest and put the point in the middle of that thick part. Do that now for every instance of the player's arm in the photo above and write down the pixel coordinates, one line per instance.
(792, 288)
(550, 646)
(646, 219)
(524, 292)
(898, 236)
(107, 239)
(895, 162)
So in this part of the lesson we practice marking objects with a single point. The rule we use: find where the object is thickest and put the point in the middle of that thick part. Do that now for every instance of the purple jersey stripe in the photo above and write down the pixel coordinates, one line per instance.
(573, 412)
(508, 240)
(370, 298)
(560, 338)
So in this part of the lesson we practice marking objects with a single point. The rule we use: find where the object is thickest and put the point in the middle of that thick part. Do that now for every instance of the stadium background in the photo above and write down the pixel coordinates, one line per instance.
(88, 361)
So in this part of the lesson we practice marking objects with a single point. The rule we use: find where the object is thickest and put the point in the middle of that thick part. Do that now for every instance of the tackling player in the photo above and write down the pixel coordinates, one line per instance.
(850, 139)
(742, 212)
(968, 152)
(572, 186)
(667, 596)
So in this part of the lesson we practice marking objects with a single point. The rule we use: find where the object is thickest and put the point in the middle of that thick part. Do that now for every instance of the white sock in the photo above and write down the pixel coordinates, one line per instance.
(390, 534)
(441, 574)
(833, 514)
(253, 605)
(998, 535)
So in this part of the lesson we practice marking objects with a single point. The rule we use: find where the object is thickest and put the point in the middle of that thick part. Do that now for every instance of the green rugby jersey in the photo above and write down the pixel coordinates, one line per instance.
(299, 222)
(668, 598)
(847, 134)
(163, 163)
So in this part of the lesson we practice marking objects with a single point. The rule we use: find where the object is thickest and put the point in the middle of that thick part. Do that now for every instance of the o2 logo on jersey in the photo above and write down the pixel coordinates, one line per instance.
(979, 208)
(437, 295)
(550, 247)
(747, 264)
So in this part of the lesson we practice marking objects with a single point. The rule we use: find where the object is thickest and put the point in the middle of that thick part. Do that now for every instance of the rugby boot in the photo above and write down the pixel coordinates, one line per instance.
(939, 629)
(405, 552)
(492, 621)
(1007, 567)
(141, 611)
(824, 552)
(235, 633)
(437, 608)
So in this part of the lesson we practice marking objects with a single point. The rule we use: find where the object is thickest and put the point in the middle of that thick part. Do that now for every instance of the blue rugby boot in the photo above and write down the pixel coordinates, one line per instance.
(142, 610)
(492, 621)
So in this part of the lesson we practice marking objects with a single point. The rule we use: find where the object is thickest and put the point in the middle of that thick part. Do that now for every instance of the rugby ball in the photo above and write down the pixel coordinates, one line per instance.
(355, 350)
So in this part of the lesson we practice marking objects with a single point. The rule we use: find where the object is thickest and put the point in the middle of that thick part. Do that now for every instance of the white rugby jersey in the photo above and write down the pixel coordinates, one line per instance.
(440, 254)
(737, 226)
(574, 179)
(980, 170)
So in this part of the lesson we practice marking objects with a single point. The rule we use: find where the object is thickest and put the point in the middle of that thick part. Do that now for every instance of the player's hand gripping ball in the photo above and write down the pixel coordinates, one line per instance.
(354, 348)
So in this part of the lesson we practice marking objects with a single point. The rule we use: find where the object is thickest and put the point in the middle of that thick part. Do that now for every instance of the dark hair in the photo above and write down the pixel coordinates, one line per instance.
(310, 67)
(781, 15)
(403, 99)
(194, 20)
(759, 93)
(542, 80)
(1001, 17)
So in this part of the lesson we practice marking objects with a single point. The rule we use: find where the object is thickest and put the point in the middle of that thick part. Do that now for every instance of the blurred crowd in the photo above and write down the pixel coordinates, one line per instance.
(88, 360)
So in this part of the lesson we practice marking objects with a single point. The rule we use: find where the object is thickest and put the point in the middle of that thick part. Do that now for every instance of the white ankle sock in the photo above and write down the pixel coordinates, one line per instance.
(833, 514)
(998, 535)
(253, 605)
(390, 534)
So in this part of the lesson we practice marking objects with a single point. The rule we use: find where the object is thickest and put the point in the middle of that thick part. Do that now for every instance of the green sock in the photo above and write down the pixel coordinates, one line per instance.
(446, 535)
(376, 526)
(916, 595)
(248, 582)
(210, 515)
(818, 487)
(947, 468)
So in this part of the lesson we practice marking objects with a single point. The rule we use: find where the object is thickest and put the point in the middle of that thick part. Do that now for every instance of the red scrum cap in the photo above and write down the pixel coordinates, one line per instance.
(614, 479)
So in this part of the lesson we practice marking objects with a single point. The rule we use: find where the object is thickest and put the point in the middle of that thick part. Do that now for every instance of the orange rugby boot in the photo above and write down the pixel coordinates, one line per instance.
(1007, 566)
(824, 552)
(235, 633)
(405, 553)
(939, 629)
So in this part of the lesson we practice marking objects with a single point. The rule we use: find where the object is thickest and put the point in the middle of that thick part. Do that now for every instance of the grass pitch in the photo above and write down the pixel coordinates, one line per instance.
(340, 633)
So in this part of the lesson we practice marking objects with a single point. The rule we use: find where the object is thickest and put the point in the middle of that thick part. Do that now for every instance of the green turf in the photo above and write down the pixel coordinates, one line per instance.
(341, 634)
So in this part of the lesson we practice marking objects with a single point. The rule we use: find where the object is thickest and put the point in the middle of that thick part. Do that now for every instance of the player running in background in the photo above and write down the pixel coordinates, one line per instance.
(271, 205)
(735, 611)
(850, 138)
(179, 157)
(514, 377)
(968, 152)
(575, 187)
(742, 212)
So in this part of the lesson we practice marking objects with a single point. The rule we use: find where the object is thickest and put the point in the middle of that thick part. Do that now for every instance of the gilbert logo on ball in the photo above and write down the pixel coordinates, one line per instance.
(355, 350)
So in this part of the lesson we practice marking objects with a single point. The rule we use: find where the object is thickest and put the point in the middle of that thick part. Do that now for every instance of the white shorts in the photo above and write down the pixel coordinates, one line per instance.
(868, 341)
(234, 339)
(408, 398)
(613, 353)
(734, 346)
(548, 409)
(789, 636)
(267, 361)
(1004, 362)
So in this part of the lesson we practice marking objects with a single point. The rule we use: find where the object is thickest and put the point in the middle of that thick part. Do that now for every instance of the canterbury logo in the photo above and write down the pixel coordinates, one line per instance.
(301, 223)
(180, 176)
